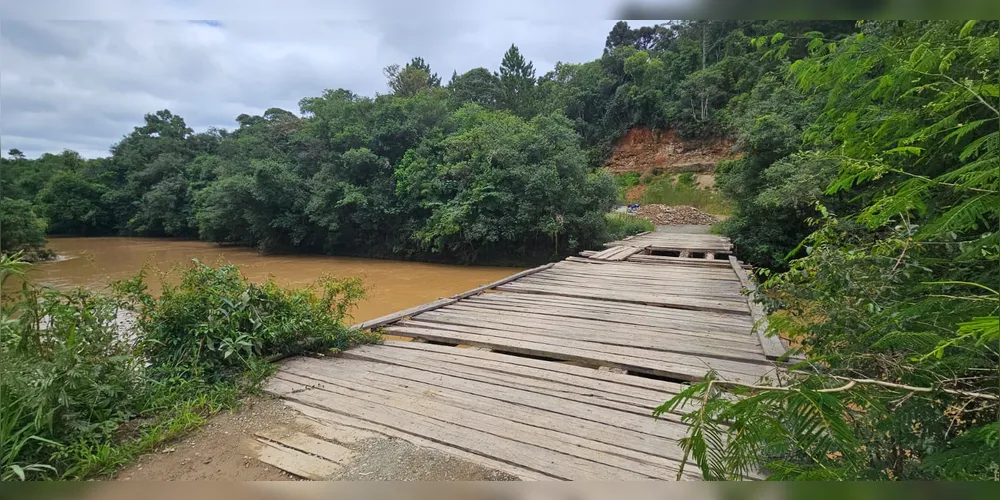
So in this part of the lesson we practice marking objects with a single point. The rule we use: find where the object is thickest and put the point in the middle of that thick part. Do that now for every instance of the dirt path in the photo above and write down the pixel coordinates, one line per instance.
(224, 449)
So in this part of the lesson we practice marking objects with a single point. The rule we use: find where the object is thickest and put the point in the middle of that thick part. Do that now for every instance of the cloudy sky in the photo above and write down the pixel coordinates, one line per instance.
(83, 83)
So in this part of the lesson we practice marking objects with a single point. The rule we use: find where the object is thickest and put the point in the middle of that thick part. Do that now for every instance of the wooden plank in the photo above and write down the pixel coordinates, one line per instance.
(602, 327)
(772, 345)
(331, 431)
(396, 316)
(305, 443)
(675, 301)
(548, 334)
(624, 384)
(677, 287)
(439, 390)
(645, 269)
(597, 332)
(627, 253)
(678, 367)
(499, 282)
(663, 259)
(501, 439)
(695, 321)
(295, 462)
(325, 417)
(522, 376)
(573, 429)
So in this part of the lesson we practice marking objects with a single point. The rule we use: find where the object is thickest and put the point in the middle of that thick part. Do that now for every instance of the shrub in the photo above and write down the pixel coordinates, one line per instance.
(215, 321)
(623, 225)
(686, 179)
(74, 371)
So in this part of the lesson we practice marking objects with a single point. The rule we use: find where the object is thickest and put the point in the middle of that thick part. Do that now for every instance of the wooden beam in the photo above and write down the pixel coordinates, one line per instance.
(508, 279)
(772, 345)
(396, 316)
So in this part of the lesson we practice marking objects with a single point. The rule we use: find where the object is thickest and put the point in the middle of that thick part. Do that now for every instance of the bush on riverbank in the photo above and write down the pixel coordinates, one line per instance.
(83, 390)
(23, 231)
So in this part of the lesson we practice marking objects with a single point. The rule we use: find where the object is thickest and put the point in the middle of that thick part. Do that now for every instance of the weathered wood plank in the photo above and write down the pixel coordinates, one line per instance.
(503, 440)
(308, 444)
(521, 376)
(694, 321)
(773, 347)
(579, 375)
(554, 389)
(295, 462)
(501, 281)
(675, 301)
(520, 417)
(601, 329)
(396, 316)
(681, 367)
(325, 417)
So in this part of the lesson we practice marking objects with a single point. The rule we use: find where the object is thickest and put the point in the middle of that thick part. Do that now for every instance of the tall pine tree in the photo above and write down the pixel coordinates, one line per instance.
(517, 83)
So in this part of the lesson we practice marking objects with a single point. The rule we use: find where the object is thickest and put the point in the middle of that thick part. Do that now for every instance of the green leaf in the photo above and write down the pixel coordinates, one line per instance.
(777, 37)
(967, 28)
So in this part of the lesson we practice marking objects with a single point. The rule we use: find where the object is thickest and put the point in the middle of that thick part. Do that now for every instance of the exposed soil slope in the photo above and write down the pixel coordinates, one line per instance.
(642, 150)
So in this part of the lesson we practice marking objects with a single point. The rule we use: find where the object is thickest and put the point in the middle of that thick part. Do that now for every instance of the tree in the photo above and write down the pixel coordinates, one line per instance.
(72, 205)
(412, 78)
(517, 81)
(645, 38)
(15, 154)
(478, 85)
(499, 185)
(20, 228)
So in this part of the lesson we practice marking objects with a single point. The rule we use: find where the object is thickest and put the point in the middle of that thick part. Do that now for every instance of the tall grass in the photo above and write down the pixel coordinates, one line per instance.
(623, 225)
(82, 392)
(665, 191)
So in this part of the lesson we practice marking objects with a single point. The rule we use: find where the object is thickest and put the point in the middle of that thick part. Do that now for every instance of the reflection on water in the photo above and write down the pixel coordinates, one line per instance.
(391, 285)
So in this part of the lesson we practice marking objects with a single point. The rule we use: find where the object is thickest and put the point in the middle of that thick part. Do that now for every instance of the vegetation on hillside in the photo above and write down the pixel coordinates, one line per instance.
(90, 380)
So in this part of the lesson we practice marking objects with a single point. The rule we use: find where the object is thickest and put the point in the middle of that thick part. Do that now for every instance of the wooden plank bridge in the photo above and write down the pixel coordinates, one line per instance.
(553, 372)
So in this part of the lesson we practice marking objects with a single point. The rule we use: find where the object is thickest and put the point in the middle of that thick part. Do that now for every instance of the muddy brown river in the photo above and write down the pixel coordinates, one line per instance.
(391, 285)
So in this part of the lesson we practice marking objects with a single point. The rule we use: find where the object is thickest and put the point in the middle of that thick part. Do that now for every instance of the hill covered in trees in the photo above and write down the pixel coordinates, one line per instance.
(490, 165)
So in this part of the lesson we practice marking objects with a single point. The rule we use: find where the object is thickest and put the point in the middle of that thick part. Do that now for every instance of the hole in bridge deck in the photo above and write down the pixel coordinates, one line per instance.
(657, 377)
(438, 342)
(665, 253)
(529, 356)
(697, 255)
(722, 256)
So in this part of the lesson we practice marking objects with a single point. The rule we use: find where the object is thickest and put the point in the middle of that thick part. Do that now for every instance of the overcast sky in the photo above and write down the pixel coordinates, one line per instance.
(82, 85)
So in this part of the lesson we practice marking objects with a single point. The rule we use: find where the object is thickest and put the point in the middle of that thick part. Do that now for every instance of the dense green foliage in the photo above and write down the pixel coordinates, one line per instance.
(89, 380)
(23, 231)
(888, 163)
(412, 173)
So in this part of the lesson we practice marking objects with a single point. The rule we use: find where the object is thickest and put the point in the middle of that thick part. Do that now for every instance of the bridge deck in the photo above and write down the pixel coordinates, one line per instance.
(552, 375)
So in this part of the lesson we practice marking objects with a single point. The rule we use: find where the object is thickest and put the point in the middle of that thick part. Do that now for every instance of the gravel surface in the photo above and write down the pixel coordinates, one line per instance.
(224, 450)
(662, 215)
(388, 459)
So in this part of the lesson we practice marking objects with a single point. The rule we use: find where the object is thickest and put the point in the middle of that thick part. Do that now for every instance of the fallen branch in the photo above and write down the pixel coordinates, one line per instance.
(851, 382)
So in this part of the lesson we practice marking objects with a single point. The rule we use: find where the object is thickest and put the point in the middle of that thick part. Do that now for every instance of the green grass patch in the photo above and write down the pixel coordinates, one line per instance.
(667, 191)
(623, 225)
(624, 182)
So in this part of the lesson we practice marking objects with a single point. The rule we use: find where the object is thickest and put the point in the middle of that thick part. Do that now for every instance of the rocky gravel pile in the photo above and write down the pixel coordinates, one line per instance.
(663, 215)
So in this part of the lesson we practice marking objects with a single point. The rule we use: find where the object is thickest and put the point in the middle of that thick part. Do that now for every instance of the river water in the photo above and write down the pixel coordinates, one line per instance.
(391, 285)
